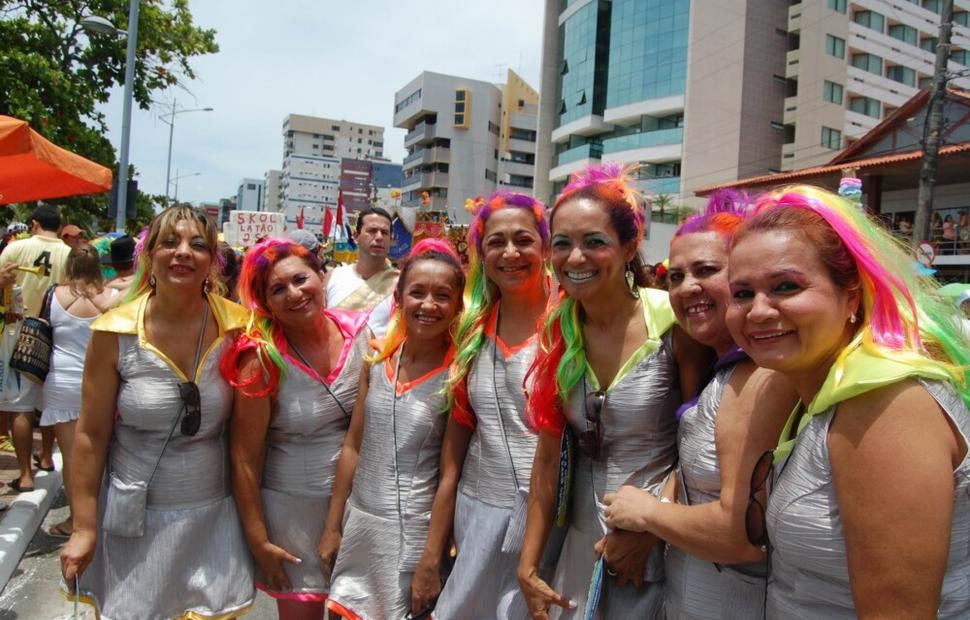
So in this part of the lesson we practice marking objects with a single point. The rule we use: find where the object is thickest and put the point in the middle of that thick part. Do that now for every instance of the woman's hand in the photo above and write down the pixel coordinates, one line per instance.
(627, 509)
(539, 596)
(328, 548)
(425, 586)
(77, 554)
(270, 558)
(626, 555)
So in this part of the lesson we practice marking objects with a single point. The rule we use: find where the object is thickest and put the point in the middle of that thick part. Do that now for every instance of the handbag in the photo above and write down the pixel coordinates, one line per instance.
(32, 354)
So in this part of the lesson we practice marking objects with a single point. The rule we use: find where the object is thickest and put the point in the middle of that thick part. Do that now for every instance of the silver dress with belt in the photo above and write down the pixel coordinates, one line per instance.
(695, 588)
(639, 447)
(387, 515)
(494, 484)
(810, 574)
(302, 447)
(192, 556)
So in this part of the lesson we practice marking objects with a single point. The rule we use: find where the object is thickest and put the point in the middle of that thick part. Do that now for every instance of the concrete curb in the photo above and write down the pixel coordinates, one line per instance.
(24, 516)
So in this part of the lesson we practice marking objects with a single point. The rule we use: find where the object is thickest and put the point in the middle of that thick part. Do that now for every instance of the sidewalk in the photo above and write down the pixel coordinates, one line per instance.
(25, 511)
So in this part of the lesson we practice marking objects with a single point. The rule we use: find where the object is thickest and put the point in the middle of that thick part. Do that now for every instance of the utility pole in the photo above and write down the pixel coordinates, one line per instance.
(931, 130)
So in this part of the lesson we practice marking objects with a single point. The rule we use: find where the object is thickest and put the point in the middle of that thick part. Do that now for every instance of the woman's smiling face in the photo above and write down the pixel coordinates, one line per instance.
(785, 310)
(586, 252)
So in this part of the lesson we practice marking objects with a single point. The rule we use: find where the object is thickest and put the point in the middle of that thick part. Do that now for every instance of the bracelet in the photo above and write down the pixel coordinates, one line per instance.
(665, 500)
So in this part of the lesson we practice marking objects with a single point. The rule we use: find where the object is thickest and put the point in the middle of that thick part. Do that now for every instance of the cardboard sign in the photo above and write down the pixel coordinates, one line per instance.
(245, 228)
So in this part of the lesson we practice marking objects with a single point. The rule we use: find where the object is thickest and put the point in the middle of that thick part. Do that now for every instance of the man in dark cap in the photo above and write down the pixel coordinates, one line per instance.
(121, 258)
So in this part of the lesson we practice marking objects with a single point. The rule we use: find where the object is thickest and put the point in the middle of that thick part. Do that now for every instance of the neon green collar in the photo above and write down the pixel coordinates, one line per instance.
(859, 372)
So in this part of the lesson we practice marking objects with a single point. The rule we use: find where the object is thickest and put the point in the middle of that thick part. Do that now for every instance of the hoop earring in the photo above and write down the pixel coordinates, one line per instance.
(631, 282)
(151, 280)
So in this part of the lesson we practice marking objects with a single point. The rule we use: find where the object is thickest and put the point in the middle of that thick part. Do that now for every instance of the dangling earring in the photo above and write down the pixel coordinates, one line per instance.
(151, 280)
(205, 286)
(852, 318)
(631, 282)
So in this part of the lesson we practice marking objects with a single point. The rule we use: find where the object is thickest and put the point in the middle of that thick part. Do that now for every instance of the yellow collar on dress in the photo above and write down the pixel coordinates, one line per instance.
(859, 372)
(124, 319)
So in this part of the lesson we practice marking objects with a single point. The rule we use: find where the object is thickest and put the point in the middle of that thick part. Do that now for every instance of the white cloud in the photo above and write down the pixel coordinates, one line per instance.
(340, 60)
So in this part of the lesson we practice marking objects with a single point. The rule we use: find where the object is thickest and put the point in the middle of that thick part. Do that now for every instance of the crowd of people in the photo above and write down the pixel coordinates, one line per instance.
(780, 433)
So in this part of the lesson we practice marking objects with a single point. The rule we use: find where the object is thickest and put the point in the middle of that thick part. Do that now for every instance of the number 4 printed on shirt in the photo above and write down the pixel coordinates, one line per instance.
(44, 260)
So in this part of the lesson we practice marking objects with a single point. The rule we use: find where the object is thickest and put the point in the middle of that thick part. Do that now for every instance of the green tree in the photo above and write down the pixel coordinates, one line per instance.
(54, 75)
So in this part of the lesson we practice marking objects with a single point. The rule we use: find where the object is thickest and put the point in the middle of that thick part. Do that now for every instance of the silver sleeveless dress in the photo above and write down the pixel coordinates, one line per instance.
(639, 448)
(387, 515)
(302, 447)
(810, 574)
(192, 556)
(494, 485)
(695, 589)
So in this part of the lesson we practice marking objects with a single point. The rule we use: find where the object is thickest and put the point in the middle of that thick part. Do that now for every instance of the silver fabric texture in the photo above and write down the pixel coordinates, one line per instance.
(382, 540)
(483, 583)
(810, 575)
(192, 556)
(695, 589)
(639, 448)
(302, 447)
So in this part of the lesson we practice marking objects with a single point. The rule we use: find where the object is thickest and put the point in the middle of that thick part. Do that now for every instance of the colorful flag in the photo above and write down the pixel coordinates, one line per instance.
(299, 220)
(327, 222)
(340, 209)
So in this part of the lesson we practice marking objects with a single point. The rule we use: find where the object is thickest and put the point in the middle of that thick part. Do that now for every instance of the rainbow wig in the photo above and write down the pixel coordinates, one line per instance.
(263, 334)
(561, 360)
(426, 249)
(163, 225)
(724, 213)
(902, 316)
(481, 294)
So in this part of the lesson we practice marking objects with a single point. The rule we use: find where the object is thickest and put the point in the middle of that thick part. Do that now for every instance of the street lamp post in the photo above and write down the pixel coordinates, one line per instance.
(171, 131)
(99, 24)
(176, 181)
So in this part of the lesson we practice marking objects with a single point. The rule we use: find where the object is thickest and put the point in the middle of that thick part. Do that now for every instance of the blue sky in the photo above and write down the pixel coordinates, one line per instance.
(339, 60)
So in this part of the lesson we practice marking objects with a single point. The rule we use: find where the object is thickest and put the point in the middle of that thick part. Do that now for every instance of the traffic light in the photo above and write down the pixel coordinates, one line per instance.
(129, 199)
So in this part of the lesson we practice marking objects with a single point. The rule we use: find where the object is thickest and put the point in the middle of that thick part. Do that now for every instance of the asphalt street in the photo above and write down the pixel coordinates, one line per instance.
(33, 592)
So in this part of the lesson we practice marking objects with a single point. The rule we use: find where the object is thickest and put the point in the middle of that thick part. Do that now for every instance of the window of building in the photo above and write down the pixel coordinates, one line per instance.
(493, 128)
(933, 5)
(868, 62)
(870, 19)
(335, 127)
(777, 125)
(562, 106)
(865, 105)
(904, 33)
(960, 56)
(250, 186)
(901, 74)
(463, 103)
(832, 92)
(837, 5)
(834, 46)
(490, 175)
(459, 120)
(521, 103)
(460, 95)
(582, 97)
(564, 68)
(961, 17)
(831, 138)
(929, 44)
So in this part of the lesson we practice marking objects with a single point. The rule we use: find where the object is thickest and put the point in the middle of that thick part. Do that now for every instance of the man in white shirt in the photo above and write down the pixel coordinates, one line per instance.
(368, 283)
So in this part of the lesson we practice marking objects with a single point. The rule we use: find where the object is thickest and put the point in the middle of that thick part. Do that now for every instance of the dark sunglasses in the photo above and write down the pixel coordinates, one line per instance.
(192, 402)
(755, 524)
(591, 440)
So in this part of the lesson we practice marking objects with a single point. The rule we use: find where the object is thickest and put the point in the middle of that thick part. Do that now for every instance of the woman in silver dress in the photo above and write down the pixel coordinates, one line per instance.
(160, 537)
(868, 510)
(712, 569)
(609, 370)
(296, 372)
(388, 468)
(488, 448)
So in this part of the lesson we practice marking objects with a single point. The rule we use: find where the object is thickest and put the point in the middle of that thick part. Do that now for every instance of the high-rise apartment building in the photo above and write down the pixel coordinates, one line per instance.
(273, 181)
(250, 196)
(466, 138)
(852, 63)
(313, 149)
(691, 91)
(363, 181)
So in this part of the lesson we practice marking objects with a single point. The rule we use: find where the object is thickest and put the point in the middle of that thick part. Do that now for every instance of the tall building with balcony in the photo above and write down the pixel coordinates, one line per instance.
(313, 149)
(691, 91)
(852, 63)
(251, 195)
(465, 138)
(272, 180)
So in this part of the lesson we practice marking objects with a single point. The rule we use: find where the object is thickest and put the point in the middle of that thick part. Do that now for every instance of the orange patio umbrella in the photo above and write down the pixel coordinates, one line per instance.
(31, 168)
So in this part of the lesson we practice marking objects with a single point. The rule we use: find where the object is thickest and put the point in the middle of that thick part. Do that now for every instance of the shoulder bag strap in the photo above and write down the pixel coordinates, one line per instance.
(323, 382)
(45, 308)
(498, 408)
